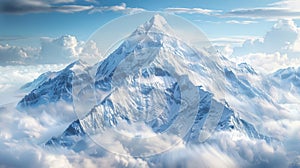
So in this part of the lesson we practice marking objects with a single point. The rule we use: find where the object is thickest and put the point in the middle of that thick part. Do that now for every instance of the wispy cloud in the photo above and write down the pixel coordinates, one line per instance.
(92, 1)
(293, 5)
(244, 22)
(117, 8)
(281, 38)
(264, 13)
(233, 40)
(38, 6)
(280, 10)
(192, 11)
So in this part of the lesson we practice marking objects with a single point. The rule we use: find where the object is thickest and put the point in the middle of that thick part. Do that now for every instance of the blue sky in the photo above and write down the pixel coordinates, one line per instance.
(29, 23)
(29, 28)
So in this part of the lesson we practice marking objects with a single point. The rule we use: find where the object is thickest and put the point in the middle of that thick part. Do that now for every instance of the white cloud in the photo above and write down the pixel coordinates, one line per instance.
(292, 5)
(25, 155)
(92, 1)
(70, 8)
(267, 63)
(263, 13)
(59, 50)
(203, 155)
(284, 9)
(277, 49)
(20, 134)
(89, 52)
(117, 8)
(13, 77)
(232, 40)
(192, 11)
(225, 50)
(60, 1)
(245, 22)
(248, 152)
(67, 48)
(16, 55)
(62, 49)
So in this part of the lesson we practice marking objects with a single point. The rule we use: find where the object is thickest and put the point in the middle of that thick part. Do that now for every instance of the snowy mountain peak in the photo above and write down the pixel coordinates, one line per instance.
(156, 24)
(246, 68)
(76, 64)
(158, 20)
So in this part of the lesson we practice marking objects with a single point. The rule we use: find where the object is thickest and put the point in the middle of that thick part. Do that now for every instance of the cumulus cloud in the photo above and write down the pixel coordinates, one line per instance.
(38, 6)
(192, 11)
(280, 38)
(117, 8)
(59, 50)
(67, 48)
(16, 55)
(277, 49)
(62, 49)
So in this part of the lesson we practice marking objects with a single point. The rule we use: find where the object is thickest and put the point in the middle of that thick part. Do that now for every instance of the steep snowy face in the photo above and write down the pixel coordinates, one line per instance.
(106, 115)
(154, 44)
(148, 65)
(39, 81)
(284, 85)
(51, 87)
(153, 80)
(246, 68)
(150, 95)
(289, 75)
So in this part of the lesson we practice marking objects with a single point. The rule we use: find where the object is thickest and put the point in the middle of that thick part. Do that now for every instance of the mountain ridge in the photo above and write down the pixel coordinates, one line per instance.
(147, 58)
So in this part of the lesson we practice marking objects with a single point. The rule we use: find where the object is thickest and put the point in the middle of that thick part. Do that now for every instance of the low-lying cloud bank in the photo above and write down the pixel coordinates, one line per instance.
(13, 77)
(22, 138)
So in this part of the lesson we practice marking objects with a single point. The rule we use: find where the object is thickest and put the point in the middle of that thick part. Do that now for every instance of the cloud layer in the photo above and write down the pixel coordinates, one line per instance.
(59, 50)
(279, 48)
(21, 133)
(281, 38)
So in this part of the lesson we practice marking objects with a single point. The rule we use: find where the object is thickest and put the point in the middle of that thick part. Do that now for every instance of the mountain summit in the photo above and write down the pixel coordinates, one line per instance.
(154, 87)
(157, 24)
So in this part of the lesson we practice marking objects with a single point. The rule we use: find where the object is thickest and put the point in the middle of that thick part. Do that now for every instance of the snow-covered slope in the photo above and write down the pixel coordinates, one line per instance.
(39, 81)
(284, 85)
(51, 87)
(138, 78)
(153, 79)
(103, 116)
